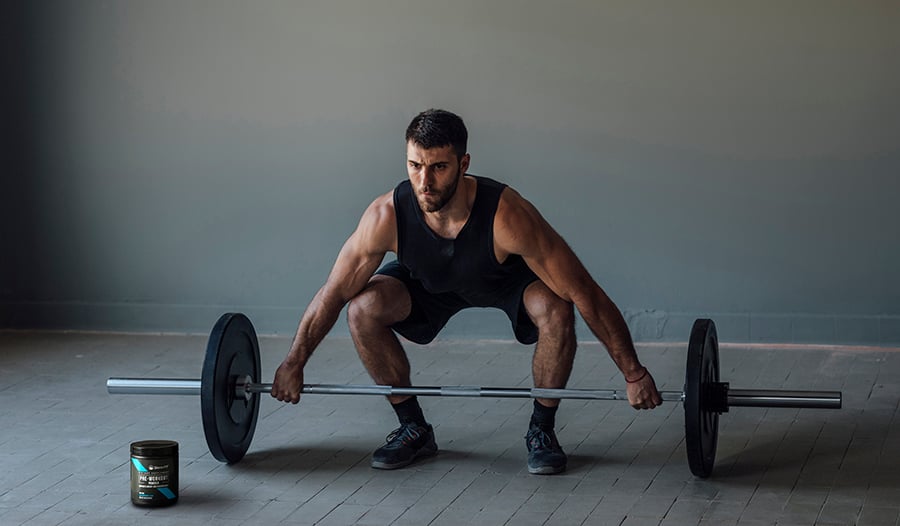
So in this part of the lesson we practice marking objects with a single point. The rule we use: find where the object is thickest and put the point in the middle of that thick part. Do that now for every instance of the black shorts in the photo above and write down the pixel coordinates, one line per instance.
(430, 312)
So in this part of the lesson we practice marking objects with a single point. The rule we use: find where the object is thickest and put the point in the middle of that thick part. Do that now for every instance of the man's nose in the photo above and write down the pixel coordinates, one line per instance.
(426, 176)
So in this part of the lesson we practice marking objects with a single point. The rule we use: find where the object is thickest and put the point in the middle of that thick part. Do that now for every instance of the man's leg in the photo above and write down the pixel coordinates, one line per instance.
(384, 302)
(551, 366)
(554, 352)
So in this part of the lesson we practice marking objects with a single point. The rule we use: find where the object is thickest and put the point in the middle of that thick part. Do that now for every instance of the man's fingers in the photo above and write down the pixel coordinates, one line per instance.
(285, 397)
(648, 403)
(289, 399)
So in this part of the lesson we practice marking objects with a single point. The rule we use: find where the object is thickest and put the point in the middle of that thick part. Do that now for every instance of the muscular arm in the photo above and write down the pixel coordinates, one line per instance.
(520, 229)
(360, 256)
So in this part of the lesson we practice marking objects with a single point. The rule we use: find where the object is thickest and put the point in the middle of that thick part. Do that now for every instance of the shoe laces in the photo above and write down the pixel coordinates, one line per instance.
(537, 438)
(404, 435)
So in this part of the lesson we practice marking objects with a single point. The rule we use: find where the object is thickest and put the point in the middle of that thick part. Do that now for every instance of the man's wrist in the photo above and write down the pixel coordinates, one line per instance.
(636, 376)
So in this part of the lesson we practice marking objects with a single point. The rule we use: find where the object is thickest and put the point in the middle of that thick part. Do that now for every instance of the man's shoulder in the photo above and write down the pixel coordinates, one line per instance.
(382, 204)
(510, 197)
(515, 212)
(378, 225)
(380, 212)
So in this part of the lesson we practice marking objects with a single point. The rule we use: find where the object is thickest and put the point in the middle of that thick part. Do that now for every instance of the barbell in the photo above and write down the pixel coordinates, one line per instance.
(229, 390)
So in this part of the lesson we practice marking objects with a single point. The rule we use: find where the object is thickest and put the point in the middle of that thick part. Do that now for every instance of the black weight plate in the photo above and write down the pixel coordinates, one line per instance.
(229, 421)
(701, 426)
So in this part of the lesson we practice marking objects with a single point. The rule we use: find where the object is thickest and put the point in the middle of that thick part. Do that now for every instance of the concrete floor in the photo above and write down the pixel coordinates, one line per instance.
(64, 447)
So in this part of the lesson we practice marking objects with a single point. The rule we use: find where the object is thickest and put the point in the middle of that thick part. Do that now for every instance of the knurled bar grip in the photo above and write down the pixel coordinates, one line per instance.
(736, 397)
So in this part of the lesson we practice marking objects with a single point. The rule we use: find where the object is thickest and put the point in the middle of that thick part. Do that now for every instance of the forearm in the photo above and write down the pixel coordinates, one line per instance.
(317, 321)
(607, 323)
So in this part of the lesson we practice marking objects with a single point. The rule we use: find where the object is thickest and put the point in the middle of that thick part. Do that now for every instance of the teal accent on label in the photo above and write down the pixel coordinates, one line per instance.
(167, 492)
(138, 465)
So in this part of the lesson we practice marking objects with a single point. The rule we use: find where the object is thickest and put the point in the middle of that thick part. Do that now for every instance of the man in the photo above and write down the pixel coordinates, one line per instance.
(461, 241)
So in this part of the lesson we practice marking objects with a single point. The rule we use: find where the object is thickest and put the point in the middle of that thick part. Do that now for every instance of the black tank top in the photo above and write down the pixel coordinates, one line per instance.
(467, 265)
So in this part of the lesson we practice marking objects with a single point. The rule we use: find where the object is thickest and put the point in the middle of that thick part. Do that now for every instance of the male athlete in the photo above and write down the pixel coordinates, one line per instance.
(461, 241)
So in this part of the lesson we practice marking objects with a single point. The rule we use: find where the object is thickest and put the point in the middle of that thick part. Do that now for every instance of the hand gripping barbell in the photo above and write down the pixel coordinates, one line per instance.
(229, 391)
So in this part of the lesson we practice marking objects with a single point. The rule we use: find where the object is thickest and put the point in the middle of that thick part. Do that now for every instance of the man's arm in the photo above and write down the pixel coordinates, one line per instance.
(357, 261)
(520, 229)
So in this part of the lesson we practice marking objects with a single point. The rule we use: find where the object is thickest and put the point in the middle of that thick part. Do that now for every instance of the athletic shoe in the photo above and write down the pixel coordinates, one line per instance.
(404, 445)
(545, 456)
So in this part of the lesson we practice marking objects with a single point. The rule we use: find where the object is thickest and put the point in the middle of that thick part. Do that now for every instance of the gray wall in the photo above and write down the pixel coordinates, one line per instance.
(738, 160)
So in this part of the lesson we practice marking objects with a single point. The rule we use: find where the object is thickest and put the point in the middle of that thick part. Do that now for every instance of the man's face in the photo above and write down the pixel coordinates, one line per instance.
(434, 174)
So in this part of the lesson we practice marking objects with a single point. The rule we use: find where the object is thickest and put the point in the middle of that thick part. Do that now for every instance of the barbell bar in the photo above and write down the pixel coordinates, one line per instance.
(246, 388)
(229, 387)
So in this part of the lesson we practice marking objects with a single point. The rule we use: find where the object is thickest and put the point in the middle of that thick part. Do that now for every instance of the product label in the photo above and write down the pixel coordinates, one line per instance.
(150, 480)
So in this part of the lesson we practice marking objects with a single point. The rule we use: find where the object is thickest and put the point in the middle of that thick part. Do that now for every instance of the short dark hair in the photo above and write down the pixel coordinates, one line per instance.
(436, 128)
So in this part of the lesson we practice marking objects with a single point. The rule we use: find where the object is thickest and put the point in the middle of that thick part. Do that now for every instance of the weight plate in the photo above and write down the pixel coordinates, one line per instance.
(701, 425)
(228, 420)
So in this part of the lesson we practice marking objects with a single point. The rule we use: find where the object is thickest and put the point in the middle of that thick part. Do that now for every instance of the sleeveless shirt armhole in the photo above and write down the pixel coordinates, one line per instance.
(397, 219)
(493, 250)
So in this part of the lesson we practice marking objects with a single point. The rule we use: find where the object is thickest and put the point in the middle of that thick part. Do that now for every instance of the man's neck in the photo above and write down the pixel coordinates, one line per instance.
(449, 220)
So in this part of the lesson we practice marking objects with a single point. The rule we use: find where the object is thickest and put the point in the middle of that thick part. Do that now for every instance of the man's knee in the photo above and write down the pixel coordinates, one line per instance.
(359, 310)
(548, 311)
(383, 302)
(560, 317)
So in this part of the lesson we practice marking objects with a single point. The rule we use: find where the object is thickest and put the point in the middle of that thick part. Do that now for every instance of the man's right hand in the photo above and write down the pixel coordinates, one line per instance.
(288, 382)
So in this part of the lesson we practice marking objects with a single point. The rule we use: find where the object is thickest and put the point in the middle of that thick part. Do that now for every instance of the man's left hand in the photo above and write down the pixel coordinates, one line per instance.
(642, 394)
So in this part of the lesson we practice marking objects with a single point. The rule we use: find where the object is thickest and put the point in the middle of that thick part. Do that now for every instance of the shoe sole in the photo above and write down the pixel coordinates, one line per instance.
(422, 453)
(546, 470)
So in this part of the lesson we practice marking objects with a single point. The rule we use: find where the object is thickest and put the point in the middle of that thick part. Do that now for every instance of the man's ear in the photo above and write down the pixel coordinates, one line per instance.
(464, 163)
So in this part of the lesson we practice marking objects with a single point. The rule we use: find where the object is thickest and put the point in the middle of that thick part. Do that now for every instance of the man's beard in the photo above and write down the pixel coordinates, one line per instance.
(440, 197)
